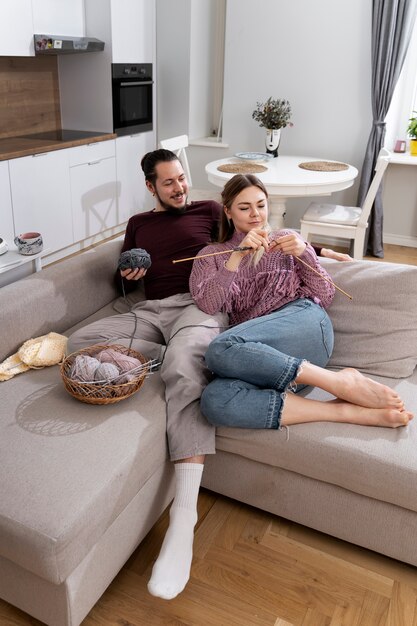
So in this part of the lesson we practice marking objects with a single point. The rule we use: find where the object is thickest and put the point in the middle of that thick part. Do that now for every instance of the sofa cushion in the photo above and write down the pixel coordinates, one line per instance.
(375, 332)
(69, 469)
(380, 463)
(59, 296)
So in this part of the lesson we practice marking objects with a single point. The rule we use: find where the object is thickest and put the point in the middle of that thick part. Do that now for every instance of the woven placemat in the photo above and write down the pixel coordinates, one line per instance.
(242, 168)
(323, 166)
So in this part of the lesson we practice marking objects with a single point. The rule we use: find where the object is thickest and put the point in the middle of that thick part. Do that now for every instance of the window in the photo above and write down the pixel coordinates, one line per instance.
(404, 100)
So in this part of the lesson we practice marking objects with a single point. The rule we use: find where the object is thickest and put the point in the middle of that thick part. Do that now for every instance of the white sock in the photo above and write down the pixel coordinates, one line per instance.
(171, 570)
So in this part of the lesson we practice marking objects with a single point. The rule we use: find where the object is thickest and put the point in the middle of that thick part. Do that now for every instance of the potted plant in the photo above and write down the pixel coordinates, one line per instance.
(273, 115)
(412, 133)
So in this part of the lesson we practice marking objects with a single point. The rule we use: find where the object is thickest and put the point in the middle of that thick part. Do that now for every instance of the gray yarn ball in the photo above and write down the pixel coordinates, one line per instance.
(134, 258)
(106, 372)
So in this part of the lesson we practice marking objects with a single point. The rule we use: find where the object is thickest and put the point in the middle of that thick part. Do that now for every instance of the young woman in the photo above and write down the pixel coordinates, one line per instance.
(281, 336)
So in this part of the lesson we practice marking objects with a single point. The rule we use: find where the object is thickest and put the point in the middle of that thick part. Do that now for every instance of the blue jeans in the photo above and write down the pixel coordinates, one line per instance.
(256, 361)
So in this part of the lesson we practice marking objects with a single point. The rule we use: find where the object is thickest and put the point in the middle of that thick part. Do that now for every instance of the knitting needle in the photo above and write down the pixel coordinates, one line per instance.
(323, 277)
(191, 258)
(201, 256)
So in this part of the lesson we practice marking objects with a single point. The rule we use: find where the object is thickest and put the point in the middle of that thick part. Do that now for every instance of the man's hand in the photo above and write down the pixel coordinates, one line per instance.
(133, 274)
(337, 256)
(288, 244)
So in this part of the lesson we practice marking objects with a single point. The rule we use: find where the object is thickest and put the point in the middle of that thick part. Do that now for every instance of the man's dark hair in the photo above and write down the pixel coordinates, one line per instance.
(151, 160)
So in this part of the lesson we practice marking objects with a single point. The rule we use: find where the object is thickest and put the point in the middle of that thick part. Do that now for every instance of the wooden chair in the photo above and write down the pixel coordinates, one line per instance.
(178, 146)
(335, 220)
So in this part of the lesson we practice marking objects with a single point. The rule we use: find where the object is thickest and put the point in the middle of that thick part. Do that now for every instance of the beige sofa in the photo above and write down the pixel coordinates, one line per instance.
(81, 485)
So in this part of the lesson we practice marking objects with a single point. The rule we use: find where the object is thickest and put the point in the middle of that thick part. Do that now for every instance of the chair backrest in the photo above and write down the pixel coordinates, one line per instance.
(178, 145)
(380, 167)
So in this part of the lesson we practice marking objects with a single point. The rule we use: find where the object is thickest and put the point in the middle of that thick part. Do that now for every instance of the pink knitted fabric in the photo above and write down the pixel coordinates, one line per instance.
(254, 291)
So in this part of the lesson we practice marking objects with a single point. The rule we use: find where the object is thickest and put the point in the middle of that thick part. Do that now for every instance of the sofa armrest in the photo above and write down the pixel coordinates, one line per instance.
(58, 297)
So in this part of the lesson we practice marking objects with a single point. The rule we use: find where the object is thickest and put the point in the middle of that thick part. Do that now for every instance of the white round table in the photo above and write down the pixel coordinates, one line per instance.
(285, 179)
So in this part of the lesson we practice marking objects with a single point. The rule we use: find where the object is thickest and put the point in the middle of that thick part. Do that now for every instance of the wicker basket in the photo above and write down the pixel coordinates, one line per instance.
(102, 393)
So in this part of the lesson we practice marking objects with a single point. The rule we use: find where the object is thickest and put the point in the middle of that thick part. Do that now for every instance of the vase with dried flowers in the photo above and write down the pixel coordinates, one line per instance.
(273, 115)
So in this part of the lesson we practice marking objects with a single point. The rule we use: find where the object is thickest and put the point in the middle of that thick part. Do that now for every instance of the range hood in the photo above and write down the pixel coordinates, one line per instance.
(60, 44)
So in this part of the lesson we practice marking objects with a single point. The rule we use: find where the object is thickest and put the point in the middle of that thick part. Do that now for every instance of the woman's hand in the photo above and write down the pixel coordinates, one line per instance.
(288, 244)
(133, 274)
(254, 239)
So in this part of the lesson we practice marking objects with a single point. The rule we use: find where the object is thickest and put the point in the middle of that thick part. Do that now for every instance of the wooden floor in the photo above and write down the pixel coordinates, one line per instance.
(251, 568)
(394, 254)
(397, 254)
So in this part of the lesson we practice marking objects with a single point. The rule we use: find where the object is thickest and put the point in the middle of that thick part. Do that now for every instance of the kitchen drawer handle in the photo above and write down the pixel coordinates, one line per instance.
(93, 162)
(39, 154)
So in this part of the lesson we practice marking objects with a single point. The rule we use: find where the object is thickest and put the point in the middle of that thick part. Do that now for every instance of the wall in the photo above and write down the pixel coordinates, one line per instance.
(173, 21)
(185, 67)
(400, 204)
(287, 49)
(201, 64)
(85, 79)
(318, 56)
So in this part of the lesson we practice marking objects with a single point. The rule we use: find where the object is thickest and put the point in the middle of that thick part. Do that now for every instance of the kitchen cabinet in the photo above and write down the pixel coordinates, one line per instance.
(20, 19)
(133, 195)
(16, 28)
(132, 31)
(65, 17)
(41, 197)
(94, 189)
(6, 214)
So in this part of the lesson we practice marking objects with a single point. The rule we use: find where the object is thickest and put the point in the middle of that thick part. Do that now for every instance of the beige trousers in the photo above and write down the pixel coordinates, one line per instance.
(175, 331)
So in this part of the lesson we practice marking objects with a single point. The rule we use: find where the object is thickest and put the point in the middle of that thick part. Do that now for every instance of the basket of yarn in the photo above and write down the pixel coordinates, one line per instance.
(103, 374)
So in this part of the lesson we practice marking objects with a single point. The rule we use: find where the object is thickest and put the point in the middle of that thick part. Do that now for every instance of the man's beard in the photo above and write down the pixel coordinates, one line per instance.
(172, 210)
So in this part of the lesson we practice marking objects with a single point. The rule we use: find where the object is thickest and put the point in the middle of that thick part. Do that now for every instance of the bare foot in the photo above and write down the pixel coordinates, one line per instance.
(390, 418)
(350, 385)
(356, 388)
(299, 410)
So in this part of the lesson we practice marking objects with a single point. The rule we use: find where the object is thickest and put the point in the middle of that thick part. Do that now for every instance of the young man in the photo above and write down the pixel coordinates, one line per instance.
(169, 319)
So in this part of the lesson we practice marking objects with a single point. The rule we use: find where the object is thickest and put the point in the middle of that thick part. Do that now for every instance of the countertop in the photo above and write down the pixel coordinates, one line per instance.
(14, 147)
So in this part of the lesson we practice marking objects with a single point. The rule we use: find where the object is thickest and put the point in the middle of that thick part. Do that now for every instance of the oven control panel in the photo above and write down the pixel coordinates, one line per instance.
(137, 71)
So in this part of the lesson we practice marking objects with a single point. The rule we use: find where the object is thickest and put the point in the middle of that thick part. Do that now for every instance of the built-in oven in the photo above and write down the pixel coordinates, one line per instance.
(132, 88)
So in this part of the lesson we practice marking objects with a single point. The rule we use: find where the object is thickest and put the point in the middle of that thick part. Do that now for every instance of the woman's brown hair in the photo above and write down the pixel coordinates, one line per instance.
(232, 188)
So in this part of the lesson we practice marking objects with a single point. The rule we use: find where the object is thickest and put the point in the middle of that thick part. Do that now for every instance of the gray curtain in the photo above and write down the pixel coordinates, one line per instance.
(392, 25)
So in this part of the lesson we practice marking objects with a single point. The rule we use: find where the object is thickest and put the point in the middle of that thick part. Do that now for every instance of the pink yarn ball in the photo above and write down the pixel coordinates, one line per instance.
(124, 362)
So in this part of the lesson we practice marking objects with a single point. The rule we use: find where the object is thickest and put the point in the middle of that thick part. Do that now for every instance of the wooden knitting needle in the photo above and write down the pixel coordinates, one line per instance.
(201, 256)
(323, 277)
